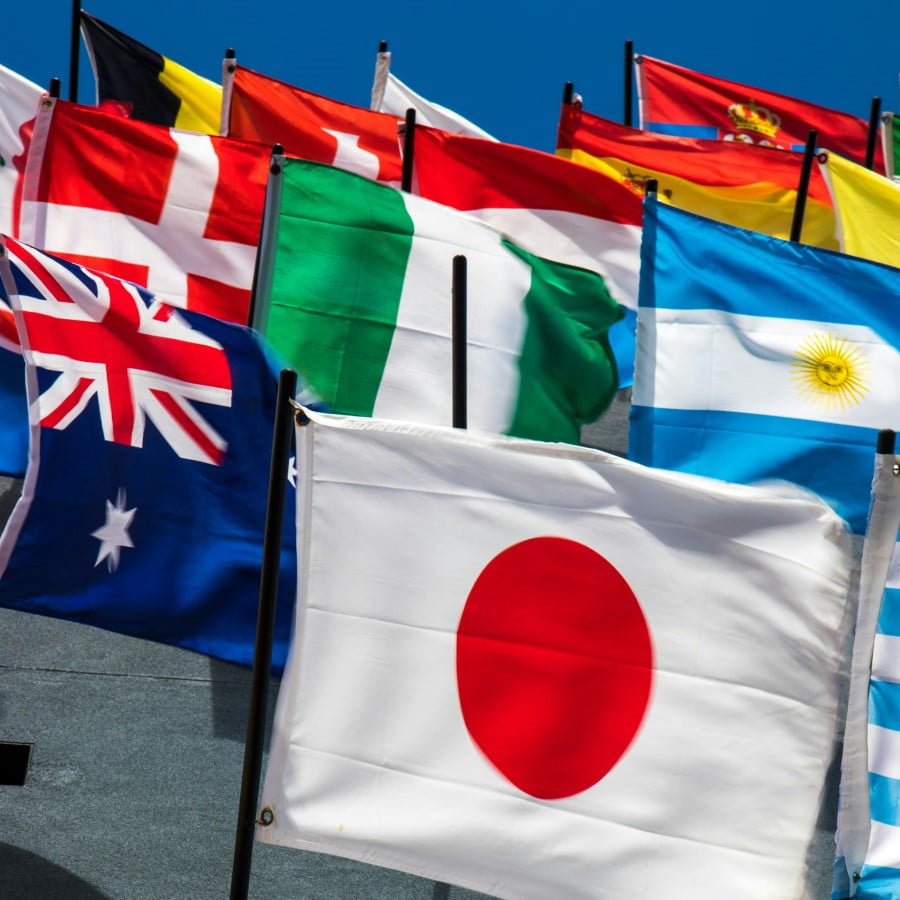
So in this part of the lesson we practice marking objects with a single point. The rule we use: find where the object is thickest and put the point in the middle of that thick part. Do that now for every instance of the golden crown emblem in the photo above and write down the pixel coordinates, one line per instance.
(751, 117)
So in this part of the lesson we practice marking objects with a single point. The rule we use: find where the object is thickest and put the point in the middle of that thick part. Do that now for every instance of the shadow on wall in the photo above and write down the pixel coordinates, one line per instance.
(27, 876)
(10, 489)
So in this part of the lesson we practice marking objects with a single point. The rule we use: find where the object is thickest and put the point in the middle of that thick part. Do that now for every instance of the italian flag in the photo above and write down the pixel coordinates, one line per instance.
(355, 291)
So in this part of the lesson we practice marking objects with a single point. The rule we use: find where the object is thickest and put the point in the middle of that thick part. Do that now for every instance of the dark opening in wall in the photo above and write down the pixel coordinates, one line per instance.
(14, 759)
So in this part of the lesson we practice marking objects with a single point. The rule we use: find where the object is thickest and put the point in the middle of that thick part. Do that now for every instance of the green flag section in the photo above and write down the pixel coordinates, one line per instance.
(151, 87)
(355, 292)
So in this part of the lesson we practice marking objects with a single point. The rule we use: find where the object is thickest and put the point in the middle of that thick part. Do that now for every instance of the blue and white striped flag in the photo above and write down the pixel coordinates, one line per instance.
(759, 358)
(868, 840)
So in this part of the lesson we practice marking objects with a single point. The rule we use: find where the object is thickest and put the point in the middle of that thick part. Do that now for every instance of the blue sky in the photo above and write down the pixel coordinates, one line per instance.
(501, 64)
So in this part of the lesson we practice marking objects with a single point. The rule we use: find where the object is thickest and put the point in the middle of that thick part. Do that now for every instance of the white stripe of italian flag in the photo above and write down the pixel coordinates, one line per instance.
(360, 304)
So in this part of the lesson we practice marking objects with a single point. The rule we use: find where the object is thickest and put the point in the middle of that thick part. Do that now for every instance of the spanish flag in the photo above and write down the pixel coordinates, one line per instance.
(739, 184)
(148, 86)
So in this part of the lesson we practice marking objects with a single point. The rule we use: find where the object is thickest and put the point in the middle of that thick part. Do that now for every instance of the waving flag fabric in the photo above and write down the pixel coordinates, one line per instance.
(760, 358)
(675, 100)
(868, 833)
(360, 304)
(752, 187)
(890, 132)
(144, 502)
(391, 95)
(19, 99)
(867, 206)
(630, 671)
(144, 84)
(259, 108)
(174, 211)
(548, 206)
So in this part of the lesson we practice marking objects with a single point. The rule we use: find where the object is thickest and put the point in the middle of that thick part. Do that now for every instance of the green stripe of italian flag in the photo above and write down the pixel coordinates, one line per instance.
(358, 277)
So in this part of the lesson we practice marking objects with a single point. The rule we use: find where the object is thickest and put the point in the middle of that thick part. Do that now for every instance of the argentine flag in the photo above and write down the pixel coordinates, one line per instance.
(759, 358)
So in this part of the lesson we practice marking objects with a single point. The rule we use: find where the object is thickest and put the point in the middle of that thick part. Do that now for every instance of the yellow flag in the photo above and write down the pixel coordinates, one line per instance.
(867, 206)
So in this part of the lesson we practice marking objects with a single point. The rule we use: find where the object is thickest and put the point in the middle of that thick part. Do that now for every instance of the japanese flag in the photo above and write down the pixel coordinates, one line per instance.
(542, 671)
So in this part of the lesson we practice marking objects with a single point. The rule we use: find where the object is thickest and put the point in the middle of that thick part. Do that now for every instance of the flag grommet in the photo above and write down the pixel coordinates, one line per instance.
(266, 816)
(300, 416)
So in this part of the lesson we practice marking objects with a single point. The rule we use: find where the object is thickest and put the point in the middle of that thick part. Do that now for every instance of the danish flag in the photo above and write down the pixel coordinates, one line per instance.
(109, 339)
(175, 212)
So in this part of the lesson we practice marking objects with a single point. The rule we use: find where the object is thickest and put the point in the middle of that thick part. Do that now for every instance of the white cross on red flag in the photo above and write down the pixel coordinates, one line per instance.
(174, 211)
(308, 125)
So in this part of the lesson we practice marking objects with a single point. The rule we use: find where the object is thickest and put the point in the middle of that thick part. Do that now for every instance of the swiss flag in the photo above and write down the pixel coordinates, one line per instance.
(174, 211)
(259, 108)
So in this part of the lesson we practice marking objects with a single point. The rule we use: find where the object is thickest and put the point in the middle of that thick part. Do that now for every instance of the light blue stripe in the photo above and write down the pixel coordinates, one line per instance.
(835, 461)
(884, 704)
(690, 262)
(889, 617)
(621, 339)
(878, 883)
(840, 884)
(884, 795)
(694, 131)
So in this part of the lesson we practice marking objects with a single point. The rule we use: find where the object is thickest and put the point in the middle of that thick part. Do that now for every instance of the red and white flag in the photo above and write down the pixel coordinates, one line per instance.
(256, 107)
(174, 211)
(541, 672)
(548, 205)
(19, 99)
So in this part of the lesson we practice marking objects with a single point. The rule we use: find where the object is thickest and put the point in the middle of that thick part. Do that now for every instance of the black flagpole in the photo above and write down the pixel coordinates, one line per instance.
(459, 294)
(629, 81)
(803, 188)
(872, 134)
(409, 143)
(460, 379)
(74, 48)
(886, 440)
(265, 628)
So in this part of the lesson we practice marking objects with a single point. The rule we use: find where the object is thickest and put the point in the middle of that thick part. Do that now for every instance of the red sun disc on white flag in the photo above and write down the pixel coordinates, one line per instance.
(554, 666)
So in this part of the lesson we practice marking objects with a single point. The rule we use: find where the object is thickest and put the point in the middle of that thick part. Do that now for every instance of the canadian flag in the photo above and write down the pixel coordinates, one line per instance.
(259, 108)
(174, 211)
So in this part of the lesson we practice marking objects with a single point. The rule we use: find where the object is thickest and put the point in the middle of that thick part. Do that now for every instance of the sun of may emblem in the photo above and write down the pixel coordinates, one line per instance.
(831, 372)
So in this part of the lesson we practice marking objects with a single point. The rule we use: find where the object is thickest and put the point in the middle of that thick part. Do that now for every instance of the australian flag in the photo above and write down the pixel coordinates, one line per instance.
(144, 501)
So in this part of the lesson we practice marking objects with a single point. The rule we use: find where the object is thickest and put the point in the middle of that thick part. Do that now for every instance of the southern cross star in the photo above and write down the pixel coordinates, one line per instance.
(113, 533)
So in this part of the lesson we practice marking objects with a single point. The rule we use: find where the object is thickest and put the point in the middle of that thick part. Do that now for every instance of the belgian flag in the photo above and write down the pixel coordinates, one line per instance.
(152, 87)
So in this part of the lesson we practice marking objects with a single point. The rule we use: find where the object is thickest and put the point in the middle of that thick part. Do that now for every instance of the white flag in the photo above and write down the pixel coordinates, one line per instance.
(543, 671)
(391, 95)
